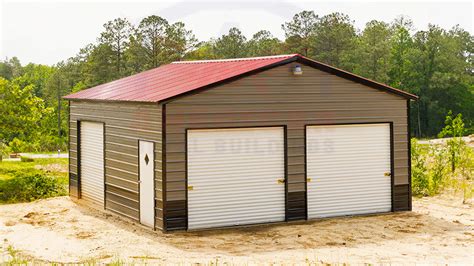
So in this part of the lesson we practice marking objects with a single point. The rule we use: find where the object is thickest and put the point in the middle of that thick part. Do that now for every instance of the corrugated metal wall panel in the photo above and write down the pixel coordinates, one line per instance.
(92, 162)
(277, 97)
(234, 174)
(125, 124)
(347, 164)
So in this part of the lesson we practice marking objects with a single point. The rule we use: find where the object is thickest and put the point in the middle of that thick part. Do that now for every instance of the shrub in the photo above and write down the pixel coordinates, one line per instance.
(454, 128)
(3, 150)
(437, 168)
(28, 186)
(420, 179)
(17, 145)
(26, 159)
(463, 175)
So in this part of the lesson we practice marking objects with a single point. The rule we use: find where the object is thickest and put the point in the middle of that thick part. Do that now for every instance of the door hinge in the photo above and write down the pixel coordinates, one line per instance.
(281, 181)
(308, 180)
(387, 174)
(190, 187)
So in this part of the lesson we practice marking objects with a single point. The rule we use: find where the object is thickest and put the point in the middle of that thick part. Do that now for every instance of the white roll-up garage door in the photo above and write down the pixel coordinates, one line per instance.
(349, 169)
(235, 177)
(92, 162)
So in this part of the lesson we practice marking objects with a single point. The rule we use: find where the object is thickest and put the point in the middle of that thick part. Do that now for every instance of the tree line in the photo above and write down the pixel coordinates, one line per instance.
(436, 64)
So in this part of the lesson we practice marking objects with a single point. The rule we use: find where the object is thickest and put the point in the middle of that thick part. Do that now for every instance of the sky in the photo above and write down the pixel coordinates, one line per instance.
(48, 31)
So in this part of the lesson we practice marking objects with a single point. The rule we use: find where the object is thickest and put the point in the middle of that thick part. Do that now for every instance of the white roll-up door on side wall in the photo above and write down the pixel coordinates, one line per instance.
(92, 162)
(349, 167)
(234, 175)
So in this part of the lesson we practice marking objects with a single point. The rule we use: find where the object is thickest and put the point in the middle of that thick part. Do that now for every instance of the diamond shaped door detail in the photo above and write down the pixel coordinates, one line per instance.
(146, 159)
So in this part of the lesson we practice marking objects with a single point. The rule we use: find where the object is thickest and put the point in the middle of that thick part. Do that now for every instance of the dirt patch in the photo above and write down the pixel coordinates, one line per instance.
(84, 235)
(439, 230)
(54, 167)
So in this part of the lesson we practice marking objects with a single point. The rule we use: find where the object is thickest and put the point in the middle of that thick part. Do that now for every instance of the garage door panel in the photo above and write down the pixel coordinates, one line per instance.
(347, 166)
(234, 174)
(92, 162)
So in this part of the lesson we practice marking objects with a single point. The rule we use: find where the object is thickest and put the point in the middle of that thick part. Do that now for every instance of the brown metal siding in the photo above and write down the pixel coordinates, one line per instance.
(276, 97)
(125, 124)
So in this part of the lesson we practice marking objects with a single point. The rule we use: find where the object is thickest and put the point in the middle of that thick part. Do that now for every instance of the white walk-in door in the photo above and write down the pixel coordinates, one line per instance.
(235, 176)
(348, 167)
(147, 190)
(92, 162)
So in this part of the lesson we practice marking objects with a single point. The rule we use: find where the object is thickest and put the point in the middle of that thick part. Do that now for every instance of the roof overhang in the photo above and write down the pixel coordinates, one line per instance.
(285, 59)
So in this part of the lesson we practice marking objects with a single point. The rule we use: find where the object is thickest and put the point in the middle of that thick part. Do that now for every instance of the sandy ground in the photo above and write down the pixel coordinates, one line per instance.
(468, 139)
(438, 231)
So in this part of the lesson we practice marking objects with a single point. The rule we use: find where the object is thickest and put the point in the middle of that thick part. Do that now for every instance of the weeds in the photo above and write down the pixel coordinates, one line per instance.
(431, 169)
(24, 181)
(465, 172)
(419, 169)
(29, 187)
(441, 166)
(438, 169)
(15, 258)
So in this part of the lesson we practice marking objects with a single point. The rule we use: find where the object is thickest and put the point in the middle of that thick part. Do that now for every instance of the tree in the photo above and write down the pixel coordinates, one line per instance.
(203, 50)
(232, 45)
(117, 36)
(99, 67)
(298, 32)
(178, 42)
(374, 51)
(334, 40)
(263, 43)
(37, 76)
(401, 47)
(137, 57)
(21, 110)
(455, 129)
(151, 34)
(11, 68)
(429, 70)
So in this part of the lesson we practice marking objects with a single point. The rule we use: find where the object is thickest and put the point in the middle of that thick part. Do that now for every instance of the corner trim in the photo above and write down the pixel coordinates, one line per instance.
(163, 161)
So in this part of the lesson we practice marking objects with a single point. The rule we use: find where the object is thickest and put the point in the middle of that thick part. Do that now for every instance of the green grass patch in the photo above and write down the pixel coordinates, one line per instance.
(28, 181)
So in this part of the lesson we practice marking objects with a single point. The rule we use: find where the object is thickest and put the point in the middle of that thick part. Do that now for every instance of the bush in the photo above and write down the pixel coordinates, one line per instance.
(17, 145)
(419, 178)
(463, 175)
(26, 159)
(438, 168)
(28, 186)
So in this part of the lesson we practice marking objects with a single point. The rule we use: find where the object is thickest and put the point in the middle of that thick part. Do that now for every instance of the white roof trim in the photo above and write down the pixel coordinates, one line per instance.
(233, 59)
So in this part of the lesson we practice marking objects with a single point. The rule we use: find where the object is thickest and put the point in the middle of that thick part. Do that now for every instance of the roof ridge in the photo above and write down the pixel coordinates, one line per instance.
(235, 59)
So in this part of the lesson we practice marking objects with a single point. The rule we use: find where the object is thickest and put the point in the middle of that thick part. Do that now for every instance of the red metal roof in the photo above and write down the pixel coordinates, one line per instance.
(178, 78)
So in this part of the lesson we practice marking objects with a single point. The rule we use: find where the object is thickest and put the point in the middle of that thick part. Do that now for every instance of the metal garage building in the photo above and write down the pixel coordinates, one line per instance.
(217, 143)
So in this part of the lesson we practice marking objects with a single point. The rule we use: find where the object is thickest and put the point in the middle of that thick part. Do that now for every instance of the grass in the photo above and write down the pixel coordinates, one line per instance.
(27, 181)
(9, 169)
(15, 258)
(46, 152)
